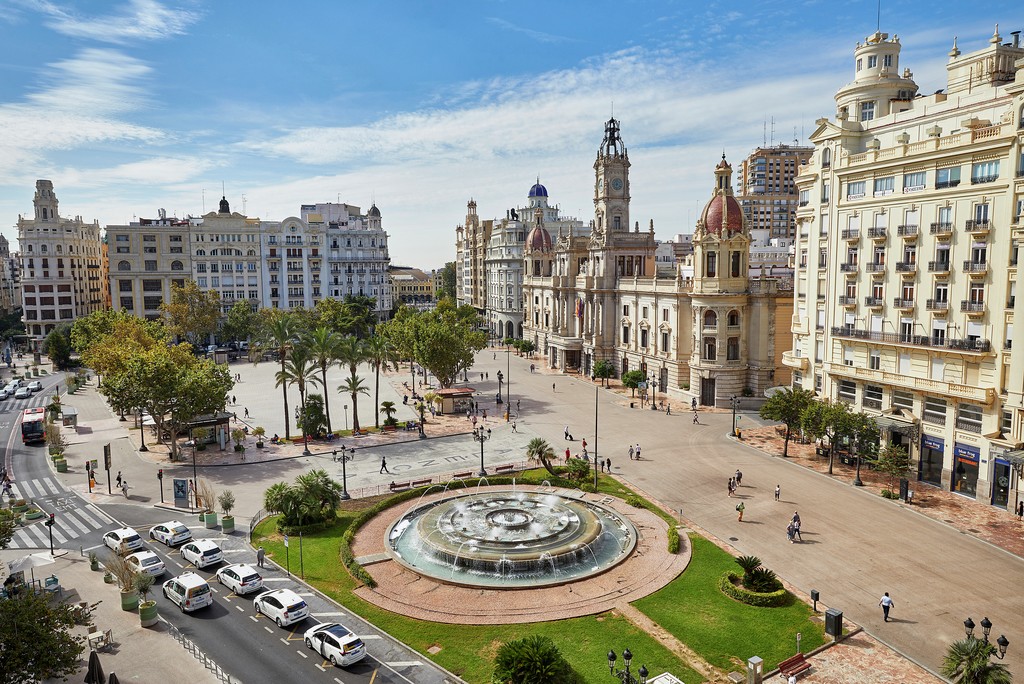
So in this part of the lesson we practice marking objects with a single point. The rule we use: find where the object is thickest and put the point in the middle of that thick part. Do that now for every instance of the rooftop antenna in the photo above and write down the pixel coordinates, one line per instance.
(773, 131)
(204, 200)
(878, 17)
(764, 132)
(223, 192)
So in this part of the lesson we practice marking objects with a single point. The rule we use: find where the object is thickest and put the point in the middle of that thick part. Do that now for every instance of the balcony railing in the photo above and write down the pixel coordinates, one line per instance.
(972, 307)
(975, 266)
(937, 305)
(978, 227)
(901, 303)
(874, 267)
(968, 425)
(939, 185)
(907, 231)
(941, 229)
(847, 301)
(848, 267)
(906, 267)
(877, 232)
(991, 178)
(873, 301)
(938, 267)
(968, 344)
(851, 234)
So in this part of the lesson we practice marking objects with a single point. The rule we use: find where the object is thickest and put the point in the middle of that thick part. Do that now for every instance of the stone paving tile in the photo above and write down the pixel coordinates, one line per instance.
(861, 659)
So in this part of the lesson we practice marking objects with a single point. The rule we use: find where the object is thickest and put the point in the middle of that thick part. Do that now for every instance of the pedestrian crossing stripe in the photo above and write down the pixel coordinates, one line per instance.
(68, 524)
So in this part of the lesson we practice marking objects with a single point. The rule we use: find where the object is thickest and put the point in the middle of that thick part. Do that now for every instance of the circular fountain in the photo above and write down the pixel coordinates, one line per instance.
(510, 539)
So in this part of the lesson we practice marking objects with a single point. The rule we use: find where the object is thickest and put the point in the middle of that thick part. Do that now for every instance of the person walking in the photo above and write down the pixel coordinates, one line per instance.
(778, 491)
(517, 406)
(789, 532)
(631, 458)
(567, 454)
(118, 480)
(731, 486)
(552, 387)
(796, 527)
(514, 426)
(234, 399)
(739, 477)
(695, 421)
(886, 604)
(474, 420)
(247, 412)
(124, 488)
(584, 444)
(384, 466)
(668, 410)
(260, 555)
(740, 507)
(693, 403)
(608, 464)
(638, 451)
(566, 432)
(1020, 510)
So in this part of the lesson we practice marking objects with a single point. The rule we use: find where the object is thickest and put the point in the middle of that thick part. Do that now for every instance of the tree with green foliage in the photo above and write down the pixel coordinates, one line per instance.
(632, 380)
(57, 346)
(322, 344)
(299, 369)
(313, 498)
(388, 409)
(831, 420)
(11, 324)
(312, 419)
(37, 640)
(532, 660)
(604, 369)
(787, 406)
(527, 347)
(381, 355)
(8, 525)
(107, 339)
(279, 332)
(446, 340)
(193, 313)
(400, 332)
(352, 351)
(540, 451)
(448, 281)
(894, 462)
(360, 315)
(969, 661)
(241, 322)
(353, 386)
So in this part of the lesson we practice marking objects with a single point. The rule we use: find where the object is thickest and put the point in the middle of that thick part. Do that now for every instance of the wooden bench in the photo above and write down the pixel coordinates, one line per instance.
(794, 665)
(420, 483)
(504, 469)
(389, 428)
(468, 473)
(395, 486)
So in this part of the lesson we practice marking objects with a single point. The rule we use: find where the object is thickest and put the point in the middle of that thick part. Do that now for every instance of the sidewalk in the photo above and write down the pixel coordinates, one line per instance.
(137, 654)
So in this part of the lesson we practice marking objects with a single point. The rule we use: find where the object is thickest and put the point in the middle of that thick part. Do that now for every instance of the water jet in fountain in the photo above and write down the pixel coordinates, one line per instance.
(510, 539)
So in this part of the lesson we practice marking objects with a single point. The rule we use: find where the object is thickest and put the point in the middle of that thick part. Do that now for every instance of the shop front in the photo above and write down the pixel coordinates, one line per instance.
(965, 469)
(1000, 478)
(930, 464)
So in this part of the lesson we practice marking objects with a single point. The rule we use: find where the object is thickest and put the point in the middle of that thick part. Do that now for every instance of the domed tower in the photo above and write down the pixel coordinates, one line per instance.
(721, 243)
(538, 197)
(373, 218)
(538, 248)
(611, 182)
(45, 201)
(878, 87)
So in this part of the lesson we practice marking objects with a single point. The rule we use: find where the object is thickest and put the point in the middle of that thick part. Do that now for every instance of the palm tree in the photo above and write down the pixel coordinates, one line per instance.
(319, 491)
(380, 353)
(351, 352)
(353, 386)
(280, 333)
(299, 370)
(539, 450)
(323, 349)
(968, 661)
(388, 409)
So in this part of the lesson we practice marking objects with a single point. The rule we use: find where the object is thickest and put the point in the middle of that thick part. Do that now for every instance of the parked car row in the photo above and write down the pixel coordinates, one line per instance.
(190, 591)
(19, 390)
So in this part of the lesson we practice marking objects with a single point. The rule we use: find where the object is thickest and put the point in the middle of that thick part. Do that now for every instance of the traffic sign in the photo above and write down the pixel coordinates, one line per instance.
(286, 541)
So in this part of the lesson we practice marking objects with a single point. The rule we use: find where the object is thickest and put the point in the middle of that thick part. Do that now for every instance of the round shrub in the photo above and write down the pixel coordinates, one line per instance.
(730, 586)
(673, 540)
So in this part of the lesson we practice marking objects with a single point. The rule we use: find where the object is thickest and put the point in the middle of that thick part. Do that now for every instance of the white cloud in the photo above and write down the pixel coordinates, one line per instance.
(140, 20)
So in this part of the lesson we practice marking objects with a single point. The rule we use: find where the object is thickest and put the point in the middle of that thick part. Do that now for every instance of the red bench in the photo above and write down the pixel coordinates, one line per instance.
(468, 473)
(794, 665)
(395, 486)
(420, 483)
(504, 469)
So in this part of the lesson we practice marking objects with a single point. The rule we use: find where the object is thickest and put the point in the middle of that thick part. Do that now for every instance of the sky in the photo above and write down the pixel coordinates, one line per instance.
(129, 106)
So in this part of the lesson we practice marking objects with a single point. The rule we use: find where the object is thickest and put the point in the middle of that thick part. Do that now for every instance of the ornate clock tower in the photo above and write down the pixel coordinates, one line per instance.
(611, 183)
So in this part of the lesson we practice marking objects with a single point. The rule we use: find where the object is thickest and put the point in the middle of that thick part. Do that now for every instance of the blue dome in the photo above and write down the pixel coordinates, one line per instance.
(538, 190)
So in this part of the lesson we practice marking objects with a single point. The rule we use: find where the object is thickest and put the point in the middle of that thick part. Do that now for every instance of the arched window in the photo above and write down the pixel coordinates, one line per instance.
(124, 266)
(42, 249)
(177, 266)
(201, 252)
(60, 250)
(710, 319)
(252, 252)
(826, 157)
(734, 318)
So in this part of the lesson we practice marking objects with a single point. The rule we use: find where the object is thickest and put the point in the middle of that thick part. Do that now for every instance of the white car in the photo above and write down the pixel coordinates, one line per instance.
(124, 540)
(22, 393)
(188, 591)
(336, 643)
(240, 578)
(147, 561)
(283, 606)
(4, 394)
(201, 553)
(35, 386)
(170, 533)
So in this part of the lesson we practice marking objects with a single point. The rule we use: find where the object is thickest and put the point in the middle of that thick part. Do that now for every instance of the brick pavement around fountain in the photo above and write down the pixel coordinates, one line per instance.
(649, 568)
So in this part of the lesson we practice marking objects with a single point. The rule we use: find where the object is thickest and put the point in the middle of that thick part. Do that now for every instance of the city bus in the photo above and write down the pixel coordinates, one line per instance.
(32, 425)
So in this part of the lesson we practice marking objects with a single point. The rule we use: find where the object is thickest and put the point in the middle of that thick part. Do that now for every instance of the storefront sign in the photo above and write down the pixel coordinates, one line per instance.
(929, 442)
(966, 451)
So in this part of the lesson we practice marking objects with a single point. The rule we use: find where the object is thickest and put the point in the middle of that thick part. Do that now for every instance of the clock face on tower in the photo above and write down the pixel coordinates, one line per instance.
(617, 184)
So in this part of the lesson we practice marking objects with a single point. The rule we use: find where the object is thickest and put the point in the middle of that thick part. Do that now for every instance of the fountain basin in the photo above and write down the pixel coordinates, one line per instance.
(510, 539)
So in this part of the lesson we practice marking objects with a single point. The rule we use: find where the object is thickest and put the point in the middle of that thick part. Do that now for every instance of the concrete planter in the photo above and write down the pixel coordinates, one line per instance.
(62, 465)
(148, 613)
(130, 600)
(211, 520)
(227, 524)
(34, 514)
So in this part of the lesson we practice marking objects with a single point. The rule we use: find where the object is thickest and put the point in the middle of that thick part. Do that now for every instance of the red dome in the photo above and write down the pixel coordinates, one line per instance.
(713, 215)
(539, 240)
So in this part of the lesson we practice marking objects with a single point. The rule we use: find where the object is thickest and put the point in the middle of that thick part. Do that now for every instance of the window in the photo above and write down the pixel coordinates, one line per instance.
(121, 266)
(968, 417)
(903, 400)
(947, 178)
(733, 349)
(884, 186)
(847, 390)
(913, 182)
(872, 397)
(643, 337)
(710, 349)
(826, 157)
(934, 411)
(736, 262)
(127, 303)
(855, 190)
(711, 268)
(625, 309)
(734, 319)
(664, 315)
(860, 64)
(124, 286)
(150, 265)
(847, 356)
(872, 61)
(887, 60)
(625, 334)
(875, 360)
(1006, 423)
(664, 341)
(710, 319)
(867, 111)
(176, 266)
(985, 172)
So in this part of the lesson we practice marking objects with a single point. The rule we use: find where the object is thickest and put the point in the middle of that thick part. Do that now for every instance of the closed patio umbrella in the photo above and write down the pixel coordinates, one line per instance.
(94, 673)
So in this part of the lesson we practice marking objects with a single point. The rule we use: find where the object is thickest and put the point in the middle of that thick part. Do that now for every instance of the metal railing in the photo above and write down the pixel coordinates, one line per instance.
(209, 663)
(968, 344)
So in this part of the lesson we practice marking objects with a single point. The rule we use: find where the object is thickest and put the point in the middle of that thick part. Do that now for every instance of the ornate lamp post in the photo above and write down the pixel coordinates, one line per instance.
(500, 378)
(481, 435)
(654, 392)
(986, 626)
(625, 676)
(344, 474)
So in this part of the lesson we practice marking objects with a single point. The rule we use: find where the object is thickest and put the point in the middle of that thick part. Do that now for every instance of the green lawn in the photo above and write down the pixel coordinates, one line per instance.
(726, 632)
(468, 650)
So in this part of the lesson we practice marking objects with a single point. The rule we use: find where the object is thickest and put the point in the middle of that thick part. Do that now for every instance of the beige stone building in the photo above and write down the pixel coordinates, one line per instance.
(147, 257)
(63, 270)
(10, 278)
(471, 243)
(907, 271)
(599, 296)
(226, 255)
(413, 287)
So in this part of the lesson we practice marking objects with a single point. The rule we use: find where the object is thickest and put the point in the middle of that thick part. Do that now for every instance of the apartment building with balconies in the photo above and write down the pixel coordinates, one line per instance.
(906, 262)
(146, 258)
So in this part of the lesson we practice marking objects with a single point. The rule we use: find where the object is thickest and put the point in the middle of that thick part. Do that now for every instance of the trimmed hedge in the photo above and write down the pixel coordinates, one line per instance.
(728, 585)
(673, 540)
(292, 530)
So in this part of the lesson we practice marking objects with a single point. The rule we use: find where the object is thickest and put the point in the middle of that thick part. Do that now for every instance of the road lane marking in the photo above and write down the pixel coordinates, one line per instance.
(302, 654)
(240, 608)
(406, 663)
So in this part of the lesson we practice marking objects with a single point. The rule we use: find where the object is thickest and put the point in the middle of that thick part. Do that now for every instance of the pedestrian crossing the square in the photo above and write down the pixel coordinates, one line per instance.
(73, 517)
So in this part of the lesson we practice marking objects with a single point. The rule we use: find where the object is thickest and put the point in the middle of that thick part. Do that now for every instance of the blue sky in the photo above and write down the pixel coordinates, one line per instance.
(133, 105)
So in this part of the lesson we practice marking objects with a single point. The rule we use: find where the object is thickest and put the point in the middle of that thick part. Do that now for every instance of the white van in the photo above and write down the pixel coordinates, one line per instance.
(189, 591)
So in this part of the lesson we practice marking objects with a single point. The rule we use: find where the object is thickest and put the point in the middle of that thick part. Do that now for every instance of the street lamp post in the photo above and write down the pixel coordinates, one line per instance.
(986, 626)
(654, 393)
(346, 417)
(597, 388)
(481, 435)
(195, 477)
(305, 432)
(500, 378)
(625, 676)
(735, 403)
(344, 473)
(508, 382)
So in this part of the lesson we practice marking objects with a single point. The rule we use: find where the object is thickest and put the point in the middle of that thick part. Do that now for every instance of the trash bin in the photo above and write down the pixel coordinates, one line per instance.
(834, 623)
(632, 405)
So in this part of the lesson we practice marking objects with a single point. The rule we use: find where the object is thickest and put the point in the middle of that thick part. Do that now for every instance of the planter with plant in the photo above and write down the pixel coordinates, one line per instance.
(61, 464)
(238, 436)
(126, 577)
(108, 577)
(259, 432)
(207, 497)
(94, 561)
(33, 513)
(227, 503)
(199, 437)
(148, 614)
(19, 506)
